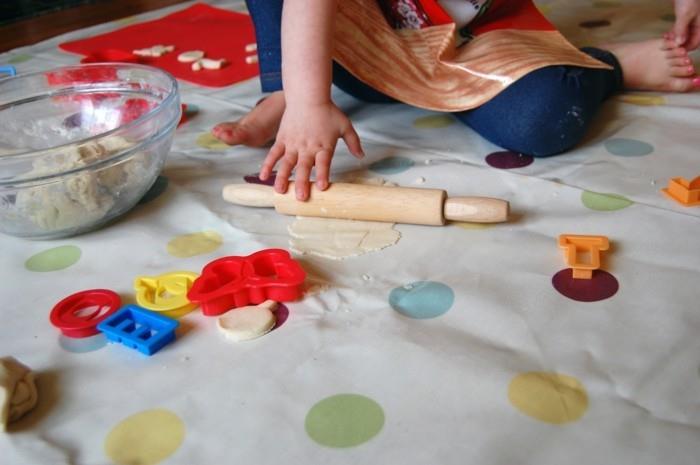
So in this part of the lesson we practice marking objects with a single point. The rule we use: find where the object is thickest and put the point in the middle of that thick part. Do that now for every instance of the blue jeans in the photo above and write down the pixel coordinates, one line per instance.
(544, 113)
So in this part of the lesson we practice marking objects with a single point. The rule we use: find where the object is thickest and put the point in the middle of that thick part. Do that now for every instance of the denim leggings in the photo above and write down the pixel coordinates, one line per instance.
(544, 113)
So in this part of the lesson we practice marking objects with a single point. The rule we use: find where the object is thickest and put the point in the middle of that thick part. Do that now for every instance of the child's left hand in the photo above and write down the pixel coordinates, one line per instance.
(686, 30)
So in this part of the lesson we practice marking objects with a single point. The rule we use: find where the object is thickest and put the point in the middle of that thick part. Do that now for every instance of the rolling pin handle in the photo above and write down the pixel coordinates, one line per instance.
(476, 209)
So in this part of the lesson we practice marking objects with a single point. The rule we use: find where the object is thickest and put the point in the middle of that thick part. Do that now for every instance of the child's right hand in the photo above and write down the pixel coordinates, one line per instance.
(686, 30)
(307, 137)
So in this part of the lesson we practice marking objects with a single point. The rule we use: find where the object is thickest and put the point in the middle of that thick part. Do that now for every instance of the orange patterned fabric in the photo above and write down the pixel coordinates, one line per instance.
(424, 67)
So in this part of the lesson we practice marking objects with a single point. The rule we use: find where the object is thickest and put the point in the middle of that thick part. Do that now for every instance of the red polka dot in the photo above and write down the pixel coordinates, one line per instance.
(255, 179)
(601, 286)
(508, 160)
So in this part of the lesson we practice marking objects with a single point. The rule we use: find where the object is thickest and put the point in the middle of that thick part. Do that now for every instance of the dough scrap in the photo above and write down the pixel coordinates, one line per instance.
(18, 394)
(246, 323)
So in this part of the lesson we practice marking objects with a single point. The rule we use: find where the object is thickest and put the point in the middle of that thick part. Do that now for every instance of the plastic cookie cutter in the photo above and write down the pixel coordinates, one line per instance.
(684, 192)
(232, 282)
(7, 71)
(166, 293)
(140, 329)
(79, 314)
(577, 248)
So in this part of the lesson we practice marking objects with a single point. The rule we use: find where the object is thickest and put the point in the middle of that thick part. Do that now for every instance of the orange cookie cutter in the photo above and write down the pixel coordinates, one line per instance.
(166, 293)
(685, 192)
(576, 246)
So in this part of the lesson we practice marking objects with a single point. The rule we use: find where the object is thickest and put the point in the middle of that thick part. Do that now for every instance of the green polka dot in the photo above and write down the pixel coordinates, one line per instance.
(433, 122)
(54, 259)
(344, 420)
(628, 147)
(604, 202)
(391, 165)
(189, 245)
(210, 142)
(20, 58)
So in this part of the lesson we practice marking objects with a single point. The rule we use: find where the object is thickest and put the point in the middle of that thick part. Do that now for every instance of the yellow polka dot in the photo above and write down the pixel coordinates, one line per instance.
(210, 142)
(549, 397)
(145, 438)
(642, 99)
(433, 121)
(189, 245)
(471, 225)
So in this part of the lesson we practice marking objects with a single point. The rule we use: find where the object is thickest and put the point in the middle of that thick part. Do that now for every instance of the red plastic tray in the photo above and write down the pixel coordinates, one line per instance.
(219, 33)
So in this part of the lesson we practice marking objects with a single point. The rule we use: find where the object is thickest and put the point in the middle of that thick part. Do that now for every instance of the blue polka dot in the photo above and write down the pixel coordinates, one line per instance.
(391, 165)
(159, 186)
(83, 344)
(628, 147)
(422, 299)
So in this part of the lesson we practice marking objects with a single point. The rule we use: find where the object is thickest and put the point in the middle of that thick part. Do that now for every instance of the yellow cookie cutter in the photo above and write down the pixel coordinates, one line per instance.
(166, 293)
(577, 247)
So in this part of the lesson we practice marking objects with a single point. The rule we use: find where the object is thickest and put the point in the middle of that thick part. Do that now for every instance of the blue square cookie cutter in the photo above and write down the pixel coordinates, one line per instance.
(140, 329)
(7, 71)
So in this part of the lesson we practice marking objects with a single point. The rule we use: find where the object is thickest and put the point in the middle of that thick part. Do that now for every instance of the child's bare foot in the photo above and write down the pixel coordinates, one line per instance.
(258, 127)
(657, 65)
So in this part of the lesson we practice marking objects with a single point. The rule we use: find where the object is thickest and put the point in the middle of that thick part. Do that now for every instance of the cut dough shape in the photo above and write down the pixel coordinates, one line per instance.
(251, 59)
(209, 63)
(246, 323)
(154, 51)
(251, 47)
(339, 239)
(197, 65)
(190, 56)
(18, 394)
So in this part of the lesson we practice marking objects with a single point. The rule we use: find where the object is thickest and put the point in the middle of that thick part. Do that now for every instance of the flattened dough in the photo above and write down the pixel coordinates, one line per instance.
(339, 239)
(246, 323)
(18, 393)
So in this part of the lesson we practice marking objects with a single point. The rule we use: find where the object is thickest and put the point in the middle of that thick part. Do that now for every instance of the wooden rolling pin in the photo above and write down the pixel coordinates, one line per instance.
(373, 203)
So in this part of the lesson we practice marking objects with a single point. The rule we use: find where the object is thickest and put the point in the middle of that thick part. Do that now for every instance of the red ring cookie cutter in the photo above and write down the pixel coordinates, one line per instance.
(232, 282)
(65, 317)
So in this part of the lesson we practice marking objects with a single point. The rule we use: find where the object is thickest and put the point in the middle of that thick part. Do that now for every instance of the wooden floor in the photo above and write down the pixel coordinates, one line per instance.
(31, 31)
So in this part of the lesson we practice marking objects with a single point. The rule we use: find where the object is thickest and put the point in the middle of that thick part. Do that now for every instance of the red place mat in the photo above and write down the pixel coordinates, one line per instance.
(217, 32)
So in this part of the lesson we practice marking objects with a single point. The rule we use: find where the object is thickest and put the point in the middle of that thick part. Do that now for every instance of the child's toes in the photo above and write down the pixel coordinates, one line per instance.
(677, 52)
(683, 84)
(227, 132)
(682, 71)
(680, 61)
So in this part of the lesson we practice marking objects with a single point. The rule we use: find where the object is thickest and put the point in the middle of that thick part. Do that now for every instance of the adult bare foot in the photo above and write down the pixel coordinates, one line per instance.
(258, 127)
(657, 65)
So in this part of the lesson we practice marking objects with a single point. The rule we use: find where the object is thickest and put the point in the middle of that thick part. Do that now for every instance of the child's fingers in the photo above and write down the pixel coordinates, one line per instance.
(680, 27)
(301, 176)
(284, 170)
(693, 41)
(273, 155)
(323, 163)
(352, 140)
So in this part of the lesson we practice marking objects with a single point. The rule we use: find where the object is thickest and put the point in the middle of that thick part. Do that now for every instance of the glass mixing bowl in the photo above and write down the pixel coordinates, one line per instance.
(80, 145)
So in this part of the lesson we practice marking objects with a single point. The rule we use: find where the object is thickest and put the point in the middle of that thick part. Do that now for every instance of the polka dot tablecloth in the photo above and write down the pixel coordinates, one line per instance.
(463, 344)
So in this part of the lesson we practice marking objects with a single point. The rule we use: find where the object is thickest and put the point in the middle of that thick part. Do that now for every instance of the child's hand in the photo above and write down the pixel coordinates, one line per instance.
(686, 30)
(306, 138)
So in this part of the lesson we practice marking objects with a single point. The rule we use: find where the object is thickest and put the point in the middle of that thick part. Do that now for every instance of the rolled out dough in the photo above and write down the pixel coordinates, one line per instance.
(339, 239)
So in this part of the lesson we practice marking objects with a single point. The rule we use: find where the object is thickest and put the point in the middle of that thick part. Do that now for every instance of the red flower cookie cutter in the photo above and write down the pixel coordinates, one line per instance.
(232, 282)
(71, 317)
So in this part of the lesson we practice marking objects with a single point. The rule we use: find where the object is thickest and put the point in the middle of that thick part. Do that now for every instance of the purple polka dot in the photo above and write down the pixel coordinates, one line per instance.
(73, 121)
(592, 24)
(255, 179)
(281, 314)
(508, 160)
(602, 285)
